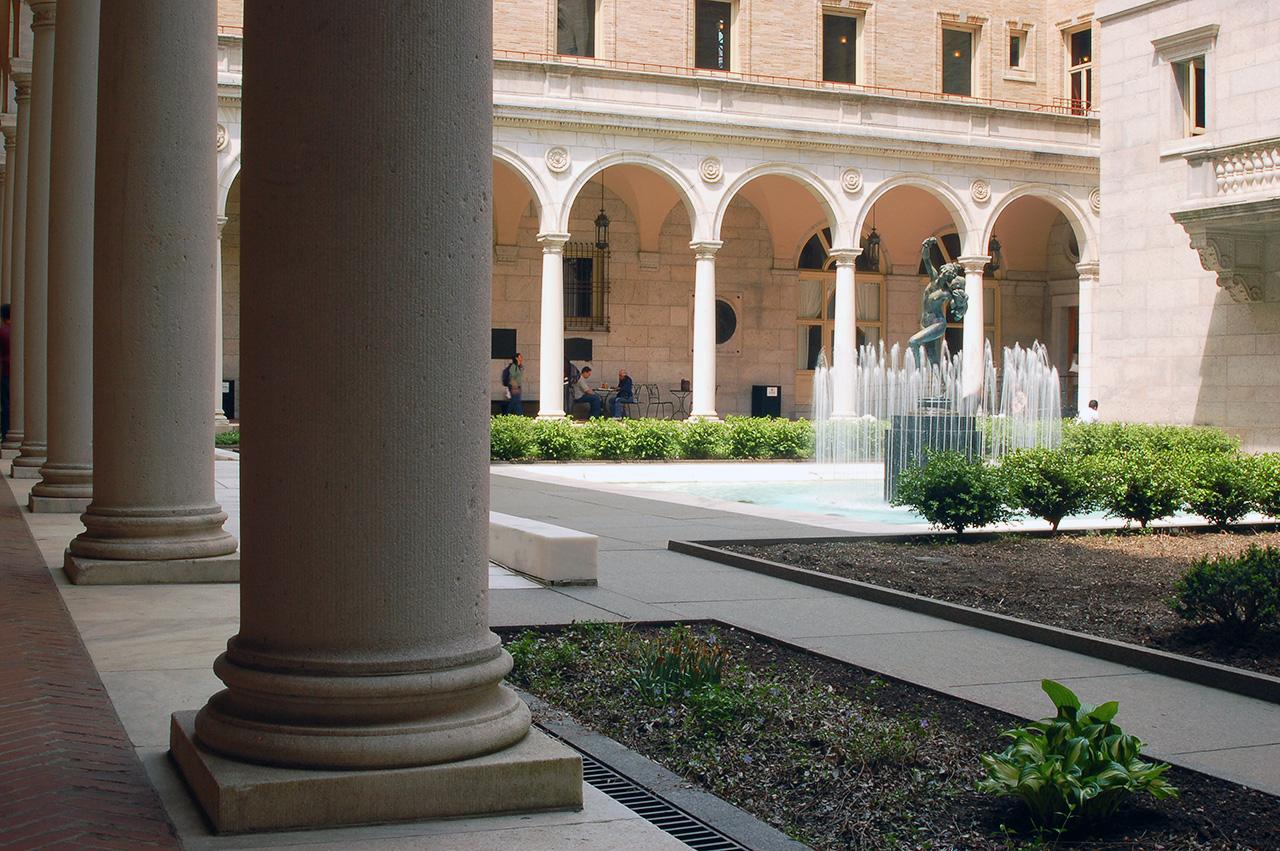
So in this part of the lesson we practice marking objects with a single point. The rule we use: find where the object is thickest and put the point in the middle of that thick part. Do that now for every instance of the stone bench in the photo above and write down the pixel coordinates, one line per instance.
(551, 554)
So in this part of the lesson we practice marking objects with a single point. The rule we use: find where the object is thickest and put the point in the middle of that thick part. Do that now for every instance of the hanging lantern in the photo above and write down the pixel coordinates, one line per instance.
(997, 259)
(602, 221)
(872, 251)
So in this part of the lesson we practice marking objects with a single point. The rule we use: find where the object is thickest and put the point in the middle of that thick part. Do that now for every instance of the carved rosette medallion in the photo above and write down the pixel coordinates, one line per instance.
(558, 159)
(223, 138)
(711, 170)
(980, 191)
(1095, 200)
(851, 181)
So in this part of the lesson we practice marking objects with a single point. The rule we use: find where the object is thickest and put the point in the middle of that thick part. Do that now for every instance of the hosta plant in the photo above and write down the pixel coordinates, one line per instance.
(1076, 765)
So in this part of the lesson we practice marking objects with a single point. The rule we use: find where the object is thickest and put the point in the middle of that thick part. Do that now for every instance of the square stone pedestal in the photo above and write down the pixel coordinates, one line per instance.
(104, 571)
(17, 472)
(538, 773)
(57, 504)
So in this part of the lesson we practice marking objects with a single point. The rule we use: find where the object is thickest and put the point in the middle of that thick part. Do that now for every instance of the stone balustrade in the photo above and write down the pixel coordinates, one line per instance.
(1247, 169)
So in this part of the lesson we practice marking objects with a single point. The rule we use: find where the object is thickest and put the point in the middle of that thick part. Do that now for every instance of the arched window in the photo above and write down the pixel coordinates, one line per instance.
(816, 300)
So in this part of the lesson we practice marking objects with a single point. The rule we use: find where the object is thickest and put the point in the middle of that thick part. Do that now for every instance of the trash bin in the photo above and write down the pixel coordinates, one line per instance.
(766, 400)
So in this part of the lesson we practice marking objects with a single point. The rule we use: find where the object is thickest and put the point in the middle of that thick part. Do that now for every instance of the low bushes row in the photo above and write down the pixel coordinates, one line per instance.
(516, 438)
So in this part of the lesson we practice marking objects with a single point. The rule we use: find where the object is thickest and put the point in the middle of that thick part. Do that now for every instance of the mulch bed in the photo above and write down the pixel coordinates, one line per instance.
(920, 793)
(1113, 585)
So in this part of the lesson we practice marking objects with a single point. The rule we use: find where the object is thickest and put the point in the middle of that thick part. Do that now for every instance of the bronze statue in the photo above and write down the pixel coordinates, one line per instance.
(945, 291)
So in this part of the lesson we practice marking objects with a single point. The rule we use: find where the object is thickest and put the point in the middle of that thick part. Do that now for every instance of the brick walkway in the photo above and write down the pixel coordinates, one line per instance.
(69, 777)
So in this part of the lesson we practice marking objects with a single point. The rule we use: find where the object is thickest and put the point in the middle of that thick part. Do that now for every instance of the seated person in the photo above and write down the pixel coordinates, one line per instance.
(582, 392)
(625, 394)
(1089, 414)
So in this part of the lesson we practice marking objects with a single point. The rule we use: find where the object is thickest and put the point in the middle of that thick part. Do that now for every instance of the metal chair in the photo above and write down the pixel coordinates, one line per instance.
(653, 400)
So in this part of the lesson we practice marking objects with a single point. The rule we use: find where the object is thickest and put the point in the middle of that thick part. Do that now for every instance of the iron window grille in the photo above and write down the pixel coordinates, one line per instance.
(586, 287)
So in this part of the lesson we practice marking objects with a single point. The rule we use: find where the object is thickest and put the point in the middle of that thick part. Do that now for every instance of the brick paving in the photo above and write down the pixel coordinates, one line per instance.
(69, 776)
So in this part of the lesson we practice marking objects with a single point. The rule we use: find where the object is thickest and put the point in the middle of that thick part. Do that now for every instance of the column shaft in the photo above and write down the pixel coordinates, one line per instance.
(704, 330)
(845, 344)
(9, 126)
(18, 253)
(35, 338)
(67, 477)
(153, 502)
(551, 332)
(973, 362)
(7, 213)
(1088, 294)
(220, 422)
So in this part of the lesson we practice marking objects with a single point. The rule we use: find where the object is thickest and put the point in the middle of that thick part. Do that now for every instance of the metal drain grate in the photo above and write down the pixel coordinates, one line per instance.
(650, 807)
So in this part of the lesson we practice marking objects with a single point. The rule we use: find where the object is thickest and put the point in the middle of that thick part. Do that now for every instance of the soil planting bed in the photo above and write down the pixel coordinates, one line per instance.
(840, 757)
(1114, 585)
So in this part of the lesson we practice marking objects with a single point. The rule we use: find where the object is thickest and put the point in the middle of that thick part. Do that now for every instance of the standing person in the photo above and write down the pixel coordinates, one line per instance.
(582, 392)
(513, 380)
(5, 322)
(1089, 414)
(625, 394)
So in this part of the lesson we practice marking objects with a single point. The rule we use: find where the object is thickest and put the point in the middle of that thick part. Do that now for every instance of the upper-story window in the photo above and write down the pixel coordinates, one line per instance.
(712, 35)
(840, 48)
(1080, 69)
(957, 62)
(1018, 49)
(1191, 89)
(576, 27)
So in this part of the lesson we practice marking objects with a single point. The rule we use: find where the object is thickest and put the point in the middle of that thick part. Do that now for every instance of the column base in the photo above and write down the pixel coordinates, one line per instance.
(31, 470)
(101, 571)
(12, 442)
(559, 416)
(703, 418)
(58, 504)
(221, 424)
(535, 774)
(6, 454)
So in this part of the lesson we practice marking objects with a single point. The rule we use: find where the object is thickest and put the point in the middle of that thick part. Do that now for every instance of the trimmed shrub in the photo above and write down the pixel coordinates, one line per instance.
(510, 437)
(748, 437)
(1266, 478)
(654, 440)
(1099, 438)
(606, 439)
(1241, 593)
(790, 438)
(704, 439)
(1078, 764)
(1138, 486)
(954, 492)
(1221, 487)
(556, 440)
(1048, 483)
(227, 438)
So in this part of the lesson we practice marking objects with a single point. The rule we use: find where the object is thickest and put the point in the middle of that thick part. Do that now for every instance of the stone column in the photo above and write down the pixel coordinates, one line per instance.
(1088, 304)
(153, 517)
(66, 479)
(973, 362)
(8, 126)
(364, 660)
(18, 254)
(35, 298)
(220, 422)
(5, 215)
(551, 332)
(845, 345)
(704, 330)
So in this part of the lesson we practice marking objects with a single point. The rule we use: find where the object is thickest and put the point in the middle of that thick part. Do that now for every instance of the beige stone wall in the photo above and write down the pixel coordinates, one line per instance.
(1171, 345)
(231, 13)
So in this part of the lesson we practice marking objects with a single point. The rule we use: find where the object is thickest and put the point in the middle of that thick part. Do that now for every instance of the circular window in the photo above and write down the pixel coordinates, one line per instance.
(1073, 248)
(726, 322)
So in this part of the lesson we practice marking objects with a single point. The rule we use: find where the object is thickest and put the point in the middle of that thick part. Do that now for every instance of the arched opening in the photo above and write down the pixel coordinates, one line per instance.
(816, 299)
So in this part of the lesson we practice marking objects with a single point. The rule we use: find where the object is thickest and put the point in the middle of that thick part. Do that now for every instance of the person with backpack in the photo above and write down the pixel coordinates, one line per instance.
(513, 380)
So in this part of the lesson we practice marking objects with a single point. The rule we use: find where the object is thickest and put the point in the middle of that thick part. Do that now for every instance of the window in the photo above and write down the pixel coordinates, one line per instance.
(576, 27)
(839, 48)
(586, 287)
(1191, 90)
(957, 62)
(816, 302)
(1080, 70)
(712, 35)
(1018, 50)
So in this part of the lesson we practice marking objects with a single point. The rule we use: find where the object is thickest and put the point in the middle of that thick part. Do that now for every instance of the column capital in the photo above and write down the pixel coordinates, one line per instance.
(552, 243)
(222, 222)
(844, 256)
(9, 126)
(43, 13)
(706, 249)
(1088, 272)
(21, 77)
(974, 263)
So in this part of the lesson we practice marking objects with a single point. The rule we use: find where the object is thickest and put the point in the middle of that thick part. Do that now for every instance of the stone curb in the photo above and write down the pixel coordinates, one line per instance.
(1213, 674)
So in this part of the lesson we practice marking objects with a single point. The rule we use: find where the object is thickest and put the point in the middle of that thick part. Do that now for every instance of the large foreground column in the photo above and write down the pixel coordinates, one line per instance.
(364, 660)
(35, 339)
(18, 252)
(66, 479)
(1088, 304)
(551, 331)
(845, 342)
(973, 362)
(704, 330)
(153, 517)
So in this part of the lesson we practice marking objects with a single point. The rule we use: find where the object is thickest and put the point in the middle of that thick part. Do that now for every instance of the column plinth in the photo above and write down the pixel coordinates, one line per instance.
(845, 343)
(17, 234)
(154, 517)
(66, 479)
(973, 360)
(551, 328)
(35, 341)
(704, 330)
(364, 644)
